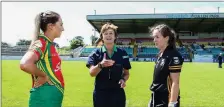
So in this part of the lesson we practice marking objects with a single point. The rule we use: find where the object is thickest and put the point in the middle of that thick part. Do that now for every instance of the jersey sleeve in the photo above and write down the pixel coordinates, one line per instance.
(175, 64)
(92, 60)
(37, 47)
(126, 63)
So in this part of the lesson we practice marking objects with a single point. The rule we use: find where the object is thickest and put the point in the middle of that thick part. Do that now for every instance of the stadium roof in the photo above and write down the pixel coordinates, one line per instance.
(139, 23)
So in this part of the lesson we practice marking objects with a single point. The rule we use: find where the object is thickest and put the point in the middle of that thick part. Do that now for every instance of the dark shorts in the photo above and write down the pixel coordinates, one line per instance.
(160, 99)
(109, 98)
(45, 96)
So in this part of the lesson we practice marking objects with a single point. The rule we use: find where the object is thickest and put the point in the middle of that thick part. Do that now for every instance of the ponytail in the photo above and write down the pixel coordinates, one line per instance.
(37, 28)
(172, 39)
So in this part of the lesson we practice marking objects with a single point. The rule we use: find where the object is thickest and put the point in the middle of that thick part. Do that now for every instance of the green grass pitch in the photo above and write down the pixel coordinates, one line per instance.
(201, 85)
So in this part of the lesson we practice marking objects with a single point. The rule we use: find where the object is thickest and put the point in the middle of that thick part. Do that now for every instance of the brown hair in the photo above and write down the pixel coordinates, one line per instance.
(165, 30)
(42, 20)
(103, 29)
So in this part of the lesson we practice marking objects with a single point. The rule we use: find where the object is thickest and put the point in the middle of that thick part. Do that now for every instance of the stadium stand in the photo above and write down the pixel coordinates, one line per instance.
(128, 49)
(199, 33)
(14, 51)
(87, 50)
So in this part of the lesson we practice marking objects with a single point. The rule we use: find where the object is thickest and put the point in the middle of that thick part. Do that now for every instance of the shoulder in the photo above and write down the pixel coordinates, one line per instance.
(43, 41)
(176, 56)
(121, 50)
(175, 53)
(123, 53)
(38, 44)
(95, 52)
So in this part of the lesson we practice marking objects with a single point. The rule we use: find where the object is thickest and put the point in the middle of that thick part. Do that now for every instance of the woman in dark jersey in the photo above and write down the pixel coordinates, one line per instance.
(165, 85)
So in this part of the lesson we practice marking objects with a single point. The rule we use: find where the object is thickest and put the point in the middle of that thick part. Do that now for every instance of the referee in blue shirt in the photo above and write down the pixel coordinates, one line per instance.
(110, 66)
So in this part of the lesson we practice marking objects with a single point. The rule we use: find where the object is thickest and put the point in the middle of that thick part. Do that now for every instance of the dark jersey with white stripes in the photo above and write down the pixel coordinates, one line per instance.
(170, 62)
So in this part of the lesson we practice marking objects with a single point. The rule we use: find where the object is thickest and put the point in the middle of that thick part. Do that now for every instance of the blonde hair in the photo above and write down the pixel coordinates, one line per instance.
(37, 28)
(103, 29)
(41, 21)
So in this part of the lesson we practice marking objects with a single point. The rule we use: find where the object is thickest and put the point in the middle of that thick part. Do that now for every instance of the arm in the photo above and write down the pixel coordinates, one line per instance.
(126, 68)
(174, 86)
(27, 63)
(94, 70)
(126, 75)
(125, 78)
(175, 66)
(92, 65)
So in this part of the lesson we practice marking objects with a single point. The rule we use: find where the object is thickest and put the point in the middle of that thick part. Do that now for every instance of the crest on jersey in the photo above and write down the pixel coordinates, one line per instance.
(176, 60)
(162, 62)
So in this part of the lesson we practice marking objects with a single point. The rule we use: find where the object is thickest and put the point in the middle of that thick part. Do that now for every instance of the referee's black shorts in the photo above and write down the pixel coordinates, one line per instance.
(109, 98)
(160, 99)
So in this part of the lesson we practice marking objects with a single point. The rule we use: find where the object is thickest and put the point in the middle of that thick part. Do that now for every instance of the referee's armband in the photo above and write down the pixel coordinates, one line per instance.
(175, 64)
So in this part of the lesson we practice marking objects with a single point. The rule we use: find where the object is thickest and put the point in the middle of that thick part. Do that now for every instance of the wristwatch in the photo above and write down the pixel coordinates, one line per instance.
(99, 66)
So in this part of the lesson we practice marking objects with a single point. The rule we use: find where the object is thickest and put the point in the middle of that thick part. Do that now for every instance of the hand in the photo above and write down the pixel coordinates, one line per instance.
(172, 104)
(105, 62)
(41, 80)
(122, 82)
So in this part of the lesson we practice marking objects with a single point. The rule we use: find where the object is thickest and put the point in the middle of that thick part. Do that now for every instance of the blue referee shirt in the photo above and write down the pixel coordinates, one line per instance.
(109, 77)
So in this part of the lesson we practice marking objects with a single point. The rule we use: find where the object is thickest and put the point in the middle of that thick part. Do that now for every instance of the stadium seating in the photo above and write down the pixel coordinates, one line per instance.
(87, 50)
(144, 41)
(215, 50)
(146, 48)
(128, 49)
(147, 51)
(124, 41)
(150, 52)
(14, 51)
